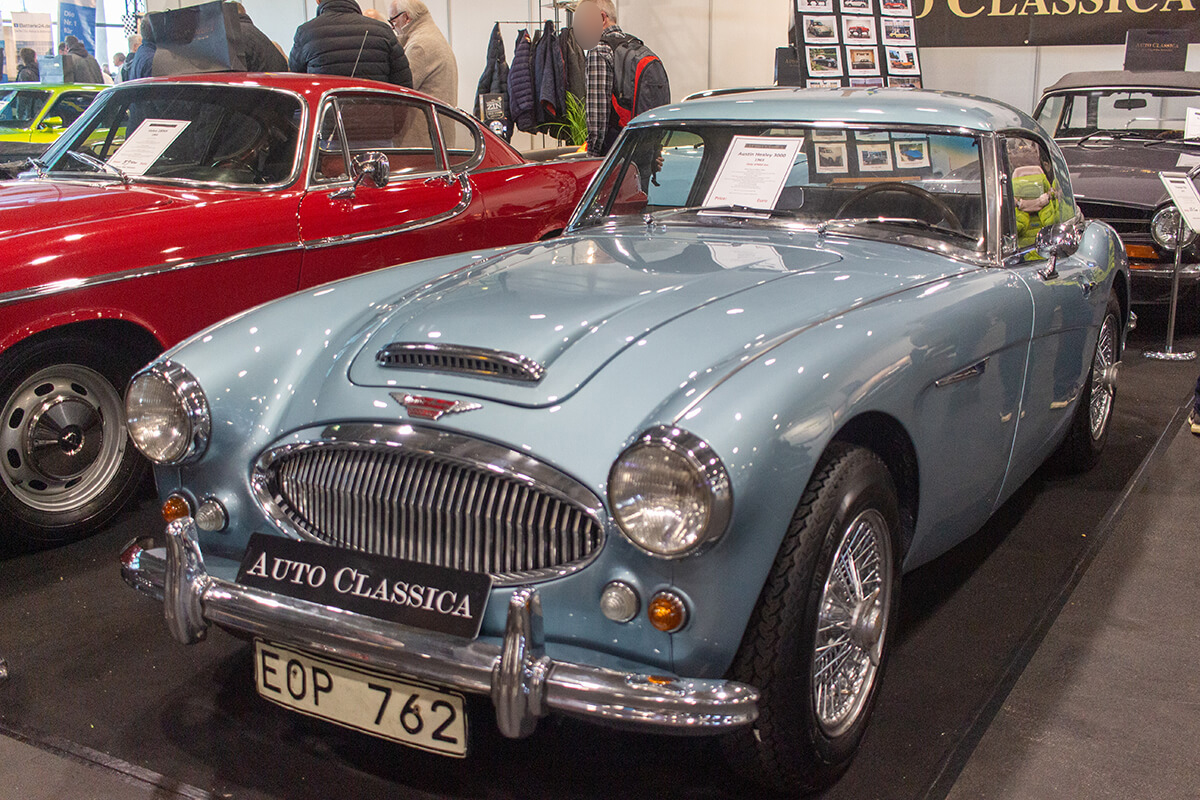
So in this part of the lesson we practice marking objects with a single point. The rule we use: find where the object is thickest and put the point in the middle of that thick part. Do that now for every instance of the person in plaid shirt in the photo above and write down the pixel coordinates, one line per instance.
(593, 20)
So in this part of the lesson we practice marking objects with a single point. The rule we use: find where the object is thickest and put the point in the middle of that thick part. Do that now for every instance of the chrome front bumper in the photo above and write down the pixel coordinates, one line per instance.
(523, 682)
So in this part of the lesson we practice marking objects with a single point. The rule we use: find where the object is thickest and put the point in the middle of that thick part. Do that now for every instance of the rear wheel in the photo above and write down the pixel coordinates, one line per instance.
(819, 636)
(66, 465)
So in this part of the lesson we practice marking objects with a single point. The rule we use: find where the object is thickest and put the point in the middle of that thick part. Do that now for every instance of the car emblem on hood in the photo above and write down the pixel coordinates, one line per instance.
(434, 408)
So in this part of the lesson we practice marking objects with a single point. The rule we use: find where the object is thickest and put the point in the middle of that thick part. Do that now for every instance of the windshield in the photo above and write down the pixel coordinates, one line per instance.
(19, 108)
(1117, 113)
(875, 181)
(229, 135)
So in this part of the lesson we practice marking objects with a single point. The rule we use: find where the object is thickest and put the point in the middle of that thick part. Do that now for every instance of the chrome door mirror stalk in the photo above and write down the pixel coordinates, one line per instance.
(373, 165)
(1057, 241)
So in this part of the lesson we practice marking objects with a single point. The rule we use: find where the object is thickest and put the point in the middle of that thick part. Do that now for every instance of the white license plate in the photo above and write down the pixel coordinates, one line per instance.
(410, 713)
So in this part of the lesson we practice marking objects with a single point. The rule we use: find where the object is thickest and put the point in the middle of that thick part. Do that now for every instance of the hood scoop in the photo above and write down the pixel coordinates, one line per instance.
(455, 359)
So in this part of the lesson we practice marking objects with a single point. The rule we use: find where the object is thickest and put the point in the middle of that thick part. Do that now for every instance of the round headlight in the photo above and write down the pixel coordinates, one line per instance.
(670, 493)
(167, 414)
(1164, 227)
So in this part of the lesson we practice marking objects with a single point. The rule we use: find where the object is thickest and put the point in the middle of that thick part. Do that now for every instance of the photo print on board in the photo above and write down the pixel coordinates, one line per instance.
(898, 30)
(912, 153)
(895, 8)
(904, 83)
(872, 136)
(824, 62)
(875, 157)
(862, 61)
(858, 30)
(857, 7)
(902, 61)
(828, 135)
(820, 30)
(866, 83)
(814, 6)
(831, 157)
(823, 83)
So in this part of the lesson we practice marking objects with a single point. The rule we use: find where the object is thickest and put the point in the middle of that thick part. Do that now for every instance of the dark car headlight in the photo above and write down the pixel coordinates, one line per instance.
(167, 414)
(1164, 227)
(670, 493)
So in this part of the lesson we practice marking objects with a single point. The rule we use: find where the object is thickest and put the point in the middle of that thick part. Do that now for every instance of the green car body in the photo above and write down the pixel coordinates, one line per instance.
(34, 115)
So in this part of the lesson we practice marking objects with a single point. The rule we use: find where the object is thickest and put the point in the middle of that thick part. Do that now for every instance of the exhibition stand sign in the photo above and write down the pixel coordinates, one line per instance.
(78, 19)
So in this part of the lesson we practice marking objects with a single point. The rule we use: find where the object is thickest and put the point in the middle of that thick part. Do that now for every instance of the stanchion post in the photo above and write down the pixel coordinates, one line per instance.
(1168, 353)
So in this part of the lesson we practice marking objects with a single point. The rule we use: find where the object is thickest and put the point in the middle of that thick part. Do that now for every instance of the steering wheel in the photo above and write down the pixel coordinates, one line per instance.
(904, 188)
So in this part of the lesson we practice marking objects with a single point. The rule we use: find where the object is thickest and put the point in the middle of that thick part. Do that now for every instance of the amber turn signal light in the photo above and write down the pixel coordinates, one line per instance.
(667, 612)
(1141, 252)
(175, 507)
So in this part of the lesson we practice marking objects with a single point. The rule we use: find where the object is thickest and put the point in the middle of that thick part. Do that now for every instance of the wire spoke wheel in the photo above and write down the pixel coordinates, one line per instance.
(62, 438)
(1104, 378)
(852, 623)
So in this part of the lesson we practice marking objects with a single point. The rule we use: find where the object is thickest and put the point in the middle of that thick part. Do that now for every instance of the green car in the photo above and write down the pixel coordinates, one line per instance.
(33, 115)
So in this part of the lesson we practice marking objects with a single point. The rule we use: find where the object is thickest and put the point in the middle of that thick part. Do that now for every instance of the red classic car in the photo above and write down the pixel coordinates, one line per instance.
(206, 196)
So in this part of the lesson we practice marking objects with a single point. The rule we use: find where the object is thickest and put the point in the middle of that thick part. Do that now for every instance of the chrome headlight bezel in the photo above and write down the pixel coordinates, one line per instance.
(1164, 227)
(193, 409)
(709, 474)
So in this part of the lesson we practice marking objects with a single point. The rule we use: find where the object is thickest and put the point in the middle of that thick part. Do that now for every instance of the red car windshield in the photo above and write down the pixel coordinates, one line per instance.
(228, 135)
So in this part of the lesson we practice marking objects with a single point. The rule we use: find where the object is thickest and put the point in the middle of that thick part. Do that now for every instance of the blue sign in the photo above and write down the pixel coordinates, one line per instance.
(79, 20)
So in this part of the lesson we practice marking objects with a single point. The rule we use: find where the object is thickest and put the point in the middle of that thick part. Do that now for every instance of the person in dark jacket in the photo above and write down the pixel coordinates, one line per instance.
(142, 63)
(80, 66)
(341, 41)
(27, 65)
(522, 95)
(259, 53)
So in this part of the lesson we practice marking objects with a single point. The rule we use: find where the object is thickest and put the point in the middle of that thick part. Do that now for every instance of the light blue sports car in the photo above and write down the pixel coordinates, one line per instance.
(666, 471)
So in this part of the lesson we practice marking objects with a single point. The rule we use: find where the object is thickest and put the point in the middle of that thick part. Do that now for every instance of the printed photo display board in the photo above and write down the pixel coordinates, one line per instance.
(857, 43)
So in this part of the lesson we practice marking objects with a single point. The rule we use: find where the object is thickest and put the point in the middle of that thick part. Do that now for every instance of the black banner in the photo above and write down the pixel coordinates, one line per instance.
(420, 595)
(1008, 23)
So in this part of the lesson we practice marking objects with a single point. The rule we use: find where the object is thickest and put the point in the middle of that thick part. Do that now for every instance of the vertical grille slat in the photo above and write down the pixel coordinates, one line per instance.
(431, 509)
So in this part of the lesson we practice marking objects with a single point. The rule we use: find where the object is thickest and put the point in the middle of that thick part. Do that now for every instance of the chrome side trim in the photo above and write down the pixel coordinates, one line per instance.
(974, 371)
(522, 681)
(73, 284)
(354, 238)
(436, 357)
(446, 446)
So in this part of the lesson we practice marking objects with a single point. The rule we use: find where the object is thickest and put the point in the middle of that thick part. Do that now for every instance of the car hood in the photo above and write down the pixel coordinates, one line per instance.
(575, 304)
(50, 204)
(1126, 173)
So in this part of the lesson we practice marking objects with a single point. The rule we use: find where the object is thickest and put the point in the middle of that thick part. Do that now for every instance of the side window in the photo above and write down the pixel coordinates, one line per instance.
(70, 105)
(398, 128)
(1035, 199)
(459, 138)
(674, 177)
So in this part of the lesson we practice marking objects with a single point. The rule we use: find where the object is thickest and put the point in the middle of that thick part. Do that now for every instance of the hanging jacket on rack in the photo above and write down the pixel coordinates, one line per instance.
(494, 81)
(522, 93)
(576, 63)
(550, 71)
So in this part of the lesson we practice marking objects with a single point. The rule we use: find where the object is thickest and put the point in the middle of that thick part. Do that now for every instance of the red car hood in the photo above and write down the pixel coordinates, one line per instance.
(45, 205)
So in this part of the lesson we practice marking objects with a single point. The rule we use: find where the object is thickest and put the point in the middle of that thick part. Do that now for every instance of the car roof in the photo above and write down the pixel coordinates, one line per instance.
(1124, 79)
(55, 86)
(853, 106)
(309, 86)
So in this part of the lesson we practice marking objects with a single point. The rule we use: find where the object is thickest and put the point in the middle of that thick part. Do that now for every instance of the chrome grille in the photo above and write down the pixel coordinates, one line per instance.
(1124, 220)
(457, 358)
(431, 509)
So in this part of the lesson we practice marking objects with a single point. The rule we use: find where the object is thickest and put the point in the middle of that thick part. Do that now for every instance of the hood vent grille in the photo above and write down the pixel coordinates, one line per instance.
(460, 359)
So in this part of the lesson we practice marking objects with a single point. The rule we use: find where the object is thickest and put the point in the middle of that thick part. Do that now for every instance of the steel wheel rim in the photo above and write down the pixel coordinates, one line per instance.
(852, 623)
(62, 438)
(1103, 391)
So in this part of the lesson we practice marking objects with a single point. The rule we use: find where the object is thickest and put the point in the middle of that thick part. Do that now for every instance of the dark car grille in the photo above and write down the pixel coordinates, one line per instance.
(1128, 222)
(433, 510)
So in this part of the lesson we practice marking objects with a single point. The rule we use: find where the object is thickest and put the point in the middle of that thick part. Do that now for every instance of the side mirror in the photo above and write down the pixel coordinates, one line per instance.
(373, 166)
(50, 123)
(1057, 241)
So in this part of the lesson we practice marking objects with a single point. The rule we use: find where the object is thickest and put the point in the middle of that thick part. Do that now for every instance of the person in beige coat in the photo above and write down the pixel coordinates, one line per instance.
(434, 68)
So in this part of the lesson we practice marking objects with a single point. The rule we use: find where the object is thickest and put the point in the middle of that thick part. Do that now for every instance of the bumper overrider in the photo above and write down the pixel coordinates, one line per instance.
(523, 682)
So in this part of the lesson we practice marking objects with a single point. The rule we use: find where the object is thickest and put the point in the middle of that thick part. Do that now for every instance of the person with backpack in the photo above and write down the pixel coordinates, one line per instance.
(624, 77)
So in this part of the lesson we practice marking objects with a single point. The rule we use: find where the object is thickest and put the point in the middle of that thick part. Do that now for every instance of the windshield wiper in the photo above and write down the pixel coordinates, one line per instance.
(38, 165)
(913, 222)
(99, 166)
(1109, 134)
(726, 210)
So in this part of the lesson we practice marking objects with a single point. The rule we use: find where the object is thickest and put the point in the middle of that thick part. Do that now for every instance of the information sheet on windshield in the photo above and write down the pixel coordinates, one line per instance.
(144, 146)
(1191, 124)
(754, 171)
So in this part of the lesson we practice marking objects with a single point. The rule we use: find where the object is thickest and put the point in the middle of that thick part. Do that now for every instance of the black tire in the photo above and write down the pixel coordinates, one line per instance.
(790, 748)
(66, 487)
(1083, 446)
